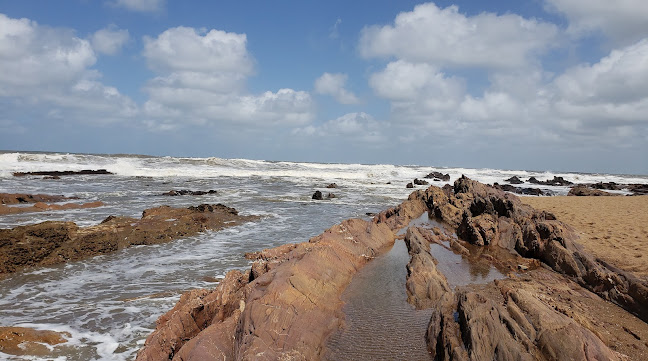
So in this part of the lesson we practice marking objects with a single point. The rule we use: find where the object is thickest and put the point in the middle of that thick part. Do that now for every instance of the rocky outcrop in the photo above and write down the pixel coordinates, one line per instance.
(420, 182)
(473, 325)
(483, 215)
(288, 303)
(556, 181)
(186, 192)
(40, 207)
(28, 341)
(22, 198)
(438, 176)
(514, 180)
(317, 196)
(284, 308)
(581, 190)
(409, 185)
(425, 285)
(57, 173)
(332, 185)
(519, 190)
(51, 243)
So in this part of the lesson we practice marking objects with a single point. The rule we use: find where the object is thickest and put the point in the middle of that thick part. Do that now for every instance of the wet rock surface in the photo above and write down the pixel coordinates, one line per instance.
(553, 305)
(556, 181)
(50, 243)
(23, 198)
(22, 341)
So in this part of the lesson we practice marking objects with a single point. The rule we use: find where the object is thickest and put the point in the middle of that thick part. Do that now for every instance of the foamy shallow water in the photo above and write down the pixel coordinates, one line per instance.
(109, 304)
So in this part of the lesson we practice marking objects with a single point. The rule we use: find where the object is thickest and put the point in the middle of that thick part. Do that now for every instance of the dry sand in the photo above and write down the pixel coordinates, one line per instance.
(614, 229)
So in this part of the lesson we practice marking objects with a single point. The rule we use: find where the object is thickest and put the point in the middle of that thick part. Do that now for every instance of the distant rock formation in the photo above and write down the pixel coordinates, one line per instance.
(514, 180)
(56, 173)
(583, 190)
(556, 181)
(438, 176)
(186, 192)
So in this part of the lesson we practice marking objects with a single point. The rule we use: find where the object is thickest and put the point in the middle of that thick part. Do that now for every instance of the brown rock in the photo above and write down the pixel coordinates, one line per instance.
(51, 243)
(28, 341)
(19, 198)
(425, 284)
(285, 312)
(581, 190)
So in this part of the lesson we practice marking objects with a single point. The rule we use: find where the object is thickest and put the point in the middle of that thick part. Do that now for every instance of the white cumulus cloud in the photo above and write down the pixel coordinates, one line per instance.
(445, 37)
(334, 85)
(201, 79)
(51, 70)
(623, 21)
(109, 40)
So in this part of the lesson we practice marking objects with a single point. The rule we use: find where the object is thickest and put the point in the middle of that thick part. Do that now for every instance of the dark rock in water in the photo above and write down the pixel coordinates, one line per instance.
(318, 196)
(18, 198)
(556, 181)
(638, 189)
(63, 173)
(330, 196)
(420, 182)
(514, 180)
(583, 190)
(518, 190)
(332, 185)
(50, 243)
(185, 192)
(409, 185)
(53, 177)
(610, 186)
(438, 175)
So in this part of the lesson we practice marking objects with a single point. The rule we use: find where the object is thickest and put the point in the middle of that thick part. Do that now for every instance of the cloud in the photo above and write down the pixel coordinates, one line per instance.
(356, 126)
(623, 21)
(335, 33)
(49, 71)
(140, 5)
(334, 85)
(447, 38)
(202, 80)
(109, 40)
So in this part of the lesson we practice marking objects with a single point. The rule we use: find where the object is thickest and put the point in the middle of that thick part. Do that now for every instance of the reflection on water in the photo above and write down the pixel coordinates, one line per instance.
(380, 324)
(461, 270)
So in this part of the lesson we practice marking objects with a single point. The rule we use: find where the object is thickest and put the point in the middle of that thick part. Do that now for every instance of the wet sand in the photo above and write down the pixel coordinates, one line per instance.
(614, 229)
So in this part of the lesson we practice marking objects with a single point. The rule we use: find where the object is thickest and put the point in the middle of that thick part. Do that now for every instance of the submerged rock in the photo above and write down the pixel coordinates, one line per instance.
(28, 341)
(57, 173)
(186, 192)
(51, 243)
(22, 198)
(332, 185)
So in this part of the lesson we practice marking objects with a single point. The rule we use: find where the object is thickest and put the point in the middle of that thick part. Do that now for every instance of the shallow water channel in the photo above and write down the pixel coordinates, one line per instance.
(380, 324)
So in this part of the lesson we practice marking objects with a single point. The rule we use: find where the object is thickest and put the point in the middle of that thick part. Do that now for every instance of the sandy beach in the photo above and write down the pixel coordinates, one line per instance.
(614, 229)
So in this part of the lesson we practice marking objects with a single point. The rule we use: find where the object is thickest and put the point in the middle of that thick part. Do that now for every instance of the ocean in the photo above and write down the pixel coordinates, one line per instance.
(109, 304)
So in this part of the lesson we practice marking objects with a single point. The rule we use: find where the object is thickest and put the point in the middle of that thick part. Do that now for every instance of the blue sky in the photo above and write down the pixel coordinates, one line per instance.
(537, 84)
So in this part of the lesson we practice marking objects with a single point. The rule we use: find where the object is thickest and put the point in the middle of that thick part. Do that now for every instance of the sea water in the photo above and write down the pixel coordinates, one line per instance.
(109, 304)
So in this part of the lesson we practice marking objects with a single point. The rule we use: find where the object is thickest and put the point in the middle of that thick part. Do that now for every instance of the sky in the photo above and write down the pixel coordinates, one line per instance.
(532, 84)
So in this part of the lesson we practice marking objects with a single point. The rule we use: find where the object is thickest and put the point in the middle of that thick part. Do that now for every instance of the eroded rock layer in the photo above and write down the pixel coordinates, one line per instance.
(50, 243)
